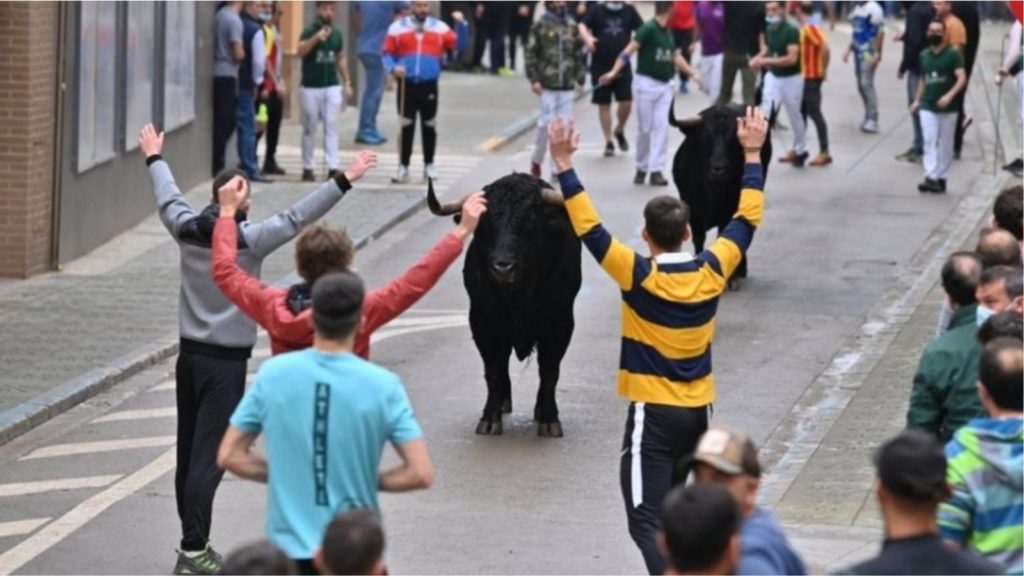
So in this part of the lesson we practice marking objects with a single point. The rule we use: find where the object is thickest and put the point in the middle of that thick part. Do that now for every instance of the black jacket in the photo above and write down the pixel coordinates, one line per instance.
(915, 38)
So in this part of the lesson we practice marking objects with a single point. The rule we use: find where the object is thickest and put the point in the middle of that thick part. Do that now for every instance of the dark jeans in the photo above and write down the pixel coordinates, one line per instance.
(657, 441)
(811, 106)
(275, 113)
(245, 116)
(418, 98)
(733, 63)
(208, 390)
(491, 29)
(958, 135)
(373, 64)
(225, 100)
(519, 32)
(683, 40)
(913, 79)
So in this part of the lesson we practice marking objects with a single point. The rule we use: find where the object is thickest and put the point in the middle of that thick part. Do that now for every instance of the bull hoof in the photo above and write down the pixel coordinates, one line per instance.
(488, 428)
(735, 284)
(549, 429)
(506, 406)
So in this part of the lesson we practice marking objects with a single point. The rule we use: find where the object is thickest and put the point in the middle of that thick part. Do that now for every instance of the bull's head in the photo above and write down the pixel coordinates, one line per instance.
(715, 128)
(513, 228)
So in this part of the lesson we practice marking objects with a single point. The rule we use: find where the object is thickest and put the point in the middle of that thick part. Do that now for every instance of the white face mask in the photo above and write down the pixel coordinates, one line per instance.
(983, 313)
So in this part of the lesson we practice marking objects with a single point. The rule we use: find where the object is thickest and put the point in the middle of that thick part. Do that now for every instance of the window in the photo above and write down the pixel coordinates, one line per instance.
(140, 65)
(180, 64)
(97, 50)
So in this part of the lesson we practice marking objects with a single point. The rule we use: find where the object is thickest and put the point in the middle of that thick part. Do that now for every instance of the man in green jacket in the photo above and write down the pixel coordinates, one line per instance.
(944, 397)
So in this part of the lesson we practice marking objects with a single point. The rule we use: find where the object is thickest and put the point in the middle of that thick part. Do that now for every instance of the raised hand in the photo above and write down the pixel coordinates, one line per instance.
(232, 195)
(563, 141)
(472, 209)
(360, 165)
(150, 142)
(752, 130)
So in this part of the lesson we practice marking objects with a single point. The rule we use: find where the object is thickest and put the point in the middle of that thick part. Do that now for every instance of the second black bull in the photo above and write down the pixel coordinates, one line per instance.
(708, 171)
(522, 274)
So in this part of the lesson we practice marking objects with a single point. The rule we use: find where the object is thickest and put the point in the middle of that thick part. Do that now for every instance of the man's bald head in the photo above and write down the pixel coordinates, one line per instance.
(960, 277)
(998, 247)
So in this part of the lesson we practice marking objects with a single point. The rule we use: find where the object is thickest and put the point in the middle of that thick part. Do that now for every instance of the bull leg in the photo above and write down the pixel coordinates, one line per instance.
(550, 351)
(495, 348)
(496, 374)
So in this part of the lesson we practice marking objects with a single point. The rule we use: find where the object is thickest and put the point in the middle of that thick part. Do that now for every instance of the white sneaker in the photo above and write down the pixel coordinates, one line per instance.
(870, 126)
(403, 175)
(429, 172)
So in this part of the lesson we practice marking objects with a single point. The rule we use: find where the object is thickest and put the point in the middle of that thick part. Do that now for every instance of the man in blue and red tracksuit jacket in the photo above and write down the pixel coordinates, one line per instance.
(413, 52)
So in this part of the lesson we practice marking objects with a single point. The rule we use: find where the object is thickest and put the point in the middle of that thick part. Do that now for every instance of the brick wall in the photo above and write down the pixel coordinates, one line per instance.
(28, 48)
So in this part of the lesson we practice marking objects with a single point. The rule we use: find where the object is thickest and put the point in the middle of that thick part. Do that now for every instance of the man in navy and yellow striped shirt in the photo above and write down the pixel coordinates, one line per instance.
(668, 322)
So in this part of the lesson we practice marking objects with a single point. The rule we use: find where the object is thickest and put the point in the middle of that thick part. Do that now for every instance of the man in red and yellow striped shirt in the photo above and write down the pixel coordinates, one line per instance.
(814, 57)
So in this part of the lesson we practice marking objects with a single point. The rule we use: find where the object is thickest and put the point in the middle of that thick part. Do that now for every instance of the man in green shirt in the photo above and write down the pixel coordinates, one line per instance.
(783, 81)
(322, 50)
(657, 62)
(938, 98)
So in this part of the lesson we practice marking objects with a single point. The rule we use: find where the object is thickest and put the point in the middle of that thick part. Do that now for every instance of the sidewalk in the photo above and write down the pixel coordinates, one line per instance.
(821, 477)
(70, 334)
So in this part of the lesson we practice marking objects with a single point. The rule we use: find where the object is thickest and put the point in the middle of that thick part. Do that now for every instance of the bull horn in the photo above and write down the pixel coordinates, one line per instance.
(552, 196)
(685, 123)
(438, 209)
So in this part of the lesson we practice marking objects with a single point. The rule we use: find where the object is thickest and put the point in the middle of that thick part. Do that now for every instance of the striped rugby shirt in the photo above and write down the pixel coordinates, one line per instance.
(668, 304)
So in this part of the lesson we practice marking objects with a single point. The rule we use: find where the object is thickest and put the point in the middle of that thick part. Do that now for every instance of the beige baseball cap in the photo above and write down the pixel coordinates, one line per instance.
(728, 451)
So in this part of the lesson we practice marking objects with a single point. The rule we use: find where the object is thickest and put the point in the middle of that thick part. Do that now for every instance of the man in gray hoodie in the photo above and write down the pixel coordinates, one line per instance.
(216, 337)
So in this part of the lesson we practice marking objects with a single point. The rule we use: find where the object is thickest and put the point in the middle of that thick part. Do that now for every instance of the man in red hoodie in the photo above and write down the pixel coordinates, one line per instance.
(285, 312)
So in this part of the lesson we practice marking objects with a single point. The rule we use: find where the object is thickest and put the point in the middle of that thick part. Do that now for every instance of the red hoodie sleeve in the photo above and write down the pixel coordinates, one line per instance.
(385, 303)
(245, 291)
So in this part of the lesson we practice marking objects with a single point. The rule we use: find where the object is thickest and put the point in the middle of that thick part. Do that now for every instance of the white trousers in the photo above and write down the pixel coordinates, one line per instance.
(710, 68)
(652, 100)
(937, 130)
(320, 105)
(552, 103)
(787, 91)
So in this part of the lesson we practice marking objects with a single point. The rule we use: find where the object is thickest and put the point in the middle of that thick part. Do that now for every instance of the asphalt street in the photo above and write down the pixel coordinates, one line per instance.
(91, 491)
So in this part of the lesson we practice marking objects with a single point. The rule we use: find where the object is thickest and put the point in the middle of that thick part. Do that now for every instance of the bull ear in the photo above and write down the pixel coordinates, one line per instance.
(686, 125)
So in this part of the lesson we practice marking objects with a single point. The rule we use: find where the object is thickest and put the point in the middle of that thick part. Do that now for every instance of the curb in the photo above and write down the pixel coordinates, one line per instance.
(28, 415)
(518, 128)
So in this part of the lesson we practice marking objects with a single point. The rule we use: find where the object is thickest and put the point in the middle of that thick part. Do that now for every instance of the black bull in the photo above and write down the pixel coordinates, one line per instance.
(522, 274)
(708, 170)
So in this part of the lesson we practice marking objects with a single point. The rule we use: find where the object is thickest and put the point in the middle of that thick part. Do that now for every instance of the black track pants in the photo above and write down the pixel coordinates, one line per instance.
(208, 390)
(657, 440)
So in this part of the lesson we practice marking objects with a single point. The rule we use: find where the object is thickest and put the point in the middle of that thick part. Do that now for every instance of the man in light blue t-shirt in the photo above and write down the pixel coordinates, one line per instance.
(325, 415)
(374, 19)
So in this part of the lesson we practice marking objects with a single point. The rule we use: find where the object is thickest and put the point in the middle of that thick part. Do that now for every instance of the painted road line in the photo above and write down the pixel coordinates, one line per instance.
(19, 527)
(385, 334)
(137, 415)
(427, 320)
(56, 531)
(101, 446)
(164, 386)
(40, 486)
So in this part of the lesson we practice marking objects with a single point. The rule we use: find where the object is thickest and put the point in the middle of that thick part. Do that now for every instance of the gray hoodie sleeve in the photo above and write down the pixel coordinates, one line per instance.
(268, 235)
(174, 210)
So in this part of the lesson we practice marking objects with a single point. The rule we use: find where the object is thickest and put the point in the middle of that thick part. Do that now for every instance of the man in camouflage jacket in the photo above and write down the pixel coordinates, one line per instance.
(555, 67)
